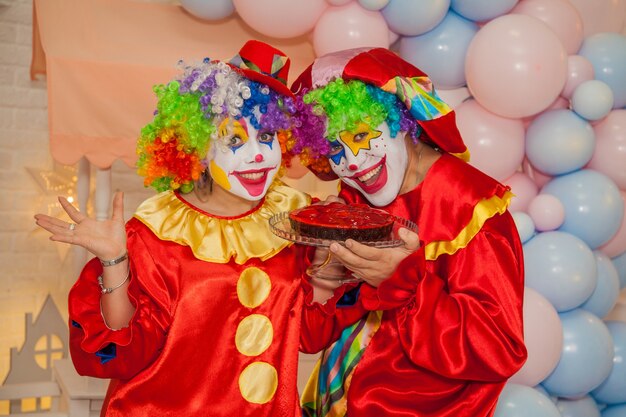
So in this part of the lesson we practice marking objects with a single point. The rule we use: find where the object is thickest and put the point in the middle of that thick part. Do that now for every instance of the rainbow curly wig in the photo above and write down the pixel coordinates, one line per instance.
(339, 105)
(173, 147)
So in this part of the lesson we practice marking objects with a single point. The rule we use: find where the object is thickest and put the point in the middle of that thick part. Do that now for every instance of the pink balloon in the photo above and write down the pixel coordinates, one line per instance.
(559, 103)
(617, 245)
(560, 16)
(496, 144)
(547, 212)
(543, 337)
(524, 189)
(349, 26)
(601, 15)
(515, 66)
(280, 18)
(539, 177)
(609, 156)
(579, 70)
(454, 97)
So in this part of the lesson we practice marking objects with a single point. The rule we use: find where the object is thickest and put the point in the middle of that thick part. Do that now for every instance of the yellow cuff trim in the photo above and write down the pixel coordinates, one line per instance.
(483, 211)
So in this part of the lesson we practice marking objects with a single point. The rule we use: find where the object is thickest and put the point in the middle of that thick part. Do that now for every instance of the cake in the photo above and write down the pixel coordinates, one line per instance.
(336, 221)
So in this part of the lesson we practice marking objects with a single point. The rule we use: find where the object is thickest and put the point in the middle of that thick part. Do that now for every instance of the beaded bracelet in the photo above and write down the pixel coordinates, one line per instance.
(105, 290)
(115, 261)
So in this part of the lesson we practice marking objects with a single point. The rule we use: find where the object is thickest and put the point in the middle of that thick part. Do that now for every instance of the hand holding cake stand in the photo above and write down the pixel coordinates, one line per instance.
(327, 267)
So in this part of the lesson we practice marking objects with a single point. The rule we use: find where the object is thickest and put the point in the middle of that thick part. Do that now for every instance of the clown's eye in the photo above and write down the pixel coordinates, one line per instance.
(266, 137)
(335, 150)
(235, 142)
(360, 136)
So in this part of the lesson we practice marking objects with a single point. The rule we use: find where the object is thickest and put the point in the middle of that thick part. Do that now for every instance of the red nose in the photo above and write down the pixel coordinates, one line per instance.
(352, 167)
(258, 158)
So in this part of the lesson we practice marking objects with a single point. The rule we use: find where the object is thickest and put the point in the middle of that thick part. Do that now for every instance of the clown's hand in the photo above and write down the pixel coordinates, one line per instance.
(374, 265)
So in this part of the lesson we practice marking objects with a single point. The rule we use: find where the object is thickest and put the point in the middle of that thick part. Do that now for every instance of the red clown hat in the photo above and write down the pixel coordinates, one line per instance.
(263, 63)
(386, 70)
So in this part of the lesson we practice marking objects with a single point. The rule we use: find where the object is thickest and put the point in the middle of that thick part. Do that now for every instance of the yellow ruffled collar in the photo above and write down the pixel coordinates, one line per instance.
(219, 239)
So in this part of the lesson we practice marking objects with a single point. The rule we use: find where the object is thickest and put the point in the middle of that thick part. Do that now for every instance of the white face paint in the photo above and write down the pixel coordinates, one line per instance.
(371, 161)
(245, 161)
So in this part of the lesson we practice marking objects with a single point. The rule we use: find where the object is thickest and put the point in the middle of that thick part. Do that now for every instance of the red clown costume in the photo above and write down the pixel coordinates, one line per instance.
(445, 331)
(222, 305)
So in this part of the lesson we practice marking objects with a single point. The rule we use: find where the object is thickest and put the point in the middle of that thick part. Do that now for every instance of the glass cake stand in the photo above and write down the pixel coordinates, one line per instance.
(330, 268)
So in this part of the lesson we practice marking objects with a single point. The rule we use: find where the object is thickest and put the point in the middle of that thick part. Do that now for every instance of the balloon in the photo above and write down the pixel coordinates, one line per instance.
(515, 66)
(604, 296)
(607, 53)
(613, 389)
(496, 144)
(524, 190)
(580, 407)
(617, 244)
(338, 2)
(618, 313)
(349, 26)
(482, 10)
(440, 53)
(522, 401)
(373, 5)
(210, 10)
(559, 141)
(560, 16)
(609, 156)
(615, 411)
(540, 178)
(601, 15)
(620, 264)
(561, 267)
(412, 18)
(543, 337)
(547, 212)
(586, 357)
(592, 100)
(280, 18)
(455, 97)
(579, 70)
(524, 224)
(593, 205)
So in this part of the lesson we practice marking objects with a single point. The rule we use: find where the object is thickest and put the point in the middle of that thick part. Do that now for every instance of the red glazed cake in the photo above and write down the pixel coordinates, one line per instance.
(336, 221)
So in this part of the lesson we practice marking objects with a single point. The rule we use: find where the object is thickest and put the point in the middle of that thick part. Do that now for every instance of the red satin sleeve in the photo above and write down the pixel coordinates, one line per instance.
(322, 324)
(137, 345)
(471, 328)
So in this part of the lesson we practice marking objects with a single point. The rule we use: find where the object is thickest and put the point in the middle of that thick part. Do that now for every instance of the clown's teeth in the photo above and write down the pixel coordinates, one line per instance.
(370, 174)
(253, 176)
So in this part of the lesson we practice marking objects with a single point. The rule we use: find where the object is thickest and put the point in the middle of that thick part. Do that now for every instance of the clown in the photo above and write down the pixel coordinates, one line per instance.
(193, 307)
(444, 331)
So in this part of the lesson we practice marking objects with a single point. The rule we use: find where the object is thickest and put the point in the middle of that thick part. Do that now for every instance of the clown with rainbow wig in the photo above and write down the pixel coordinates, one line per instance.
(443, 331)
(194, 307)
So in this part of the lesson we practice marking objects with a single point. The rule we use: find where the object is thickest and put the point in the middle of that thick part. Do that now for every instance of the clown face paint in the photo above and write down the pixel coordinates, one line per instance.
(371, 161)
(244, 161)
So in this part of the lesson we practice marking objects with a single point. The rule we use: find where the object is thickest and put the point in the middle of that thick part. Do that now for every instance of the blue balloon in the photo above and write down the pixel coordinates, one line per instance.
(592, 99)
(373, 5)
(587, 356)
(525, 225)
(615, 411)
(522, 401)
(209, 9)
(620, 264)
(606, 293)
(412, 18)
(580, 407)
(440, 53)
(613, 389)
(607, 53)
(561, 267)
(559, 142)
(593, 205)
(482, 10)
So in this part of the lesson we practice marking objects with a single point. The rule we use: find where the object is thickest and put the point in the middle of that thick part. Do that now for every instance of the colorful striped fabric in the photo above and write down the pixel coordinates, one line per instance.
(326, 392)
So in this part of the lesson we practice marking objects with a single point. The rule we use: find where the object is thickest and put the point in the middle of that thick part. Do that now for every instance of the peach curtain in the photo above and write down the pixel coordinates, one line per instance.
(102, 57)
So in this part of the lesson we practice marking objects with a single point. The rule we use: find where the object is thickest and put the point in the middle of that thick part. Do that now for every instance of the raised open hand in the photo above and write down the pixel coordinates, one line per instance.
(105, 239)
